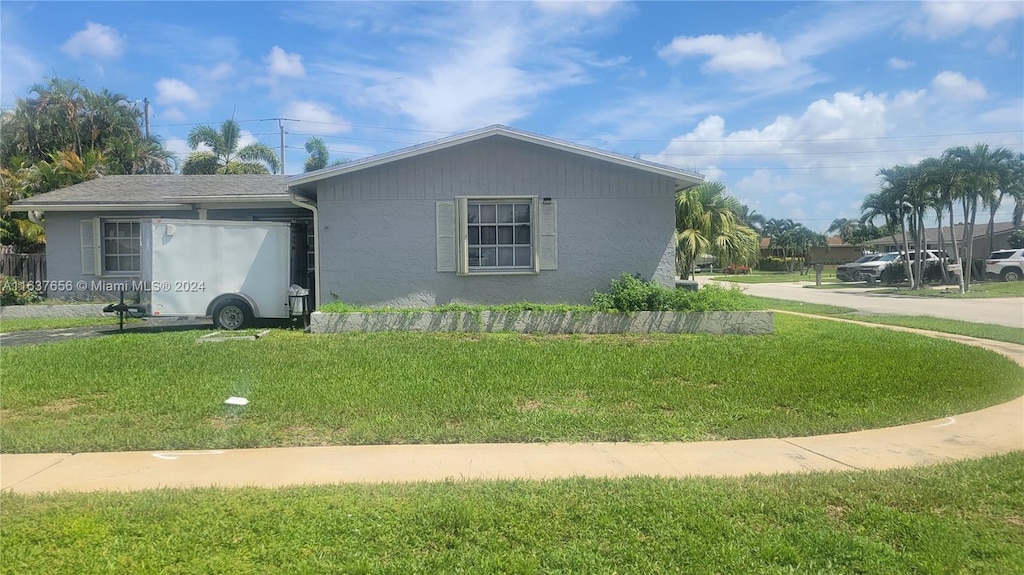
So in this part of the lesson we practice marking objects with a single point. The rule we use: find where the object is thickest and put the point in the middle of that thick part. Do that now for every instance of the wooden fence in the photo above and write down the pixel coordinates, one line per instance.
(24, 267)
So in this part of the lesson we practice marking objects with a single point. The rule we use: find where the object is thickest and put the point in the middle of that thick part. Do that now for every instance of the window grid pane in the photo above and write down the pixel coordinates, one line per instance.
(499, 235)
(122, 247)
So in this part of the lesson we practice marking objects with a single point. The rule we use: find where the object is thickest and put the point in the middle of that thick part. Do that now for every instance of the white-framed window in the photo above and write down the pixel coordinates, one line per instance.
(496, 235)
(111, 246)
(499, 235)
(122, 247)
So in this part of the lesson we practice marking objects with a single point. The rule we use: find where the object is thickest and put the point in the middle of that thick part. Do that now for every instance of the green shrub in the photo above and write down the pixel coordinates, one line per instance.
(629, 293)
(711, 297)
(16, 292)
(778, 264)
(894, 273)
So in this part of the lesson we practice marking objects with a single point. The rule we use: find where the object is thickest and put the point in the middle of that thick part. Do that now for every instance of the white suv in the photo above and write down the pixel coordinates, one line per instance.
(1007, 265)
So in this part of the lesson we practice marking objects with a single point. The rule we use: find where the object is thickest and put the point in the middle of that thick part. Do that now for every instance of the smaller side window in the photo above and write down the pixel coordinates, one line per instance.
(121, 247)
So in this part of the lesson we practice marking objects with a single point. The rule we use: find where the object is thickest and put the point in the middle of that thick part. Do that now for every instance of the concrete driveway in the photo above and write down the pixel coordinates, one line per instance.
(999, 311)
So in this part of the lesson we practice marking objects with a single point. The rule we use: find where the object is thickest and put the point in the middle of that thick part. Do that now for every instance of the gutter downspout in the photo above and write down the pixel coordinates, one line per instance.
(304, 203)
(34, 217)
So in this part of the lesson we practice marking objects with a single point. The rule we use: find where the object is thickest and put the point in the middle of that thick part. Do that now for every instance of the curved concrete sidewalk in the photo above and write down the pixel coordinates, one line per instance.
(991, 431)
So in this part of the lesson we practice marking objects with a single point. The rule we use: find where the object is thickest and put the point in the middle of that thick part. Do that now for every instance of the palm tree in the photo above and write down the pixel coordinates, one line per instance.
(1015, 188)
(903, 197)
(706, 222)
(224, 156)
(318, 155)
(750, 218)
(981, 171)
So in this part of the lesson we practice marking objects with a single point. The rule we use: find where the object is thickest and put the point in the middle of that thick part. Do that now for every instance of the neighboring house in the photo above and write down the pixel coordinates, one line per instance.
(496, 215)
(837, 252)
(1000, 239)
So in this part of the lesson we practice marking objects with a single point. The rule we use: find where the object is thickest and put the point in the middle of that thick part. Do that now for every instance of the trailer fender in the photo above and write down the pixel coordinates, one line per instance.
(225, 296)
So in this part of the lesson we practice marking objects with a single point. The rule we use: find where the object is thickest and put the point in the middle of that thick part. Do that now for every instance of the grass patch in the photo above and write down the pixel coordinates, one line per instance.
(772, 278)
(758, 302)
(342, 307)
(978, 290)
(966, 517)
(968, 328)
(166, 391)
(34, 323)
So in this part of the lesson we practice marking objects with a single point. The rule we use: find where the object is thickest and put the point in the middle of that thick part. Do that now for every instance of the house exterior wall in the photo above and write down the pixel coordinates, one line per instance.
(378, 227)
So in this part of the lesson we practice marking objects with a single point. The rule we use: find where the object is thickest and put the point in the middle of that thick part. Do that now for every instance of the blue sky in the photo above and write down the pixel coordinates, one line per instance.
(795, 106)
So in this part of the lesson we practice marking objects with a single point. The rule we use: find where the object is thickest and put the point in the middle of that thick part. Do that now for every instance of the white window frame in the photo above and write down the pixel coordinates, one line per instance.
(453, 235)
(94, 247)
(102, 247)
(463, 211)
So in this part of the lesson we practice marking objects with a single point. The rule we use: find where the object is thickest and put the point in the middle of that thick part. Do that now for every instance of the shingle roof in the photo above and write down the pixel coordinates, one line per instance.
(931, 235)
(159, 190)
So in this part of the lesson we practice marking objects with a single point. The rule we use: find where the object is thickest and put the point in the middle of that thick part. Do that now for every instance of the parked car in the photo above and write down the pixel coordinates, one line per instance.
(872, 271)
(848, 272)
(1006, 265)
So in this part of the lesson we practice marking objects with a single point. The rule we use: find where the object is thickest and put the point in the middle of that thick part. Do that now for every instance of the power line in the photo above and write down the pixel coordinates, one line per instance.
(627, 140)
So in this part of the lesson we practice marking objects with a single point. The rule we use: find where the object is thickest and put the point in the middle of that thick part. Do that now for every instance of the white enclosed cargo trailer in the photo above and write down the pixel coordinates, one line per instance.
(231, 271)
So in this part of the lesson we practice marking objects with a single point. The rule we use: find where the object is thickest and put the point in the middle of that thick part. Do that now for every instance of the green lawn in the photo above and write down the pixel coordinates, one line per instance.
(773, 278)
(165, 391)
(977, 290)
(968, 328)
(32, 323)
(966, 517)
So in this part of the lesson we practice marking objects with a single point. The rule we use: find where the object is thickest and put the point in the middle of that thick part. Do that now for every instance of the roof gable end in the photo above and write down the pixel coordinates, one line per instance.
(685, 178)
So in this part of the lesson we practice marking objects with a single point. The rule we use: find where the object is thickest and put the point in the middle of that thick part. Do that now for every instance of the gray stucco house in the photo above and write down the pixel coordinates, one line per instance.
(495, 215)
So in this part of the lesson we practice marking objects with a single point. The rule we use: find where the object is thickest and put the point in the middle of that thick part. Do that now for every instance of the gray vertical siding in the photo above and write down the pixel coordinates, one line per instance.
(377, 226)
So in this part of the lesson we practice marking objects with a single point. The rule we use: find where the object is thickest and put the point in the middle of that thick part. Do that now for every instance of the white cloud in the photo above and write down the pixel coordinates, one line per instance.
(19, 69)
(939, 19)
(281, 63)
(174, 91)
(221, 71)
(315, 118)
(956, 86)
(899, 64)
(96, 40)
(468, 65)
(585, 7)
(998, 46)
(740, 53)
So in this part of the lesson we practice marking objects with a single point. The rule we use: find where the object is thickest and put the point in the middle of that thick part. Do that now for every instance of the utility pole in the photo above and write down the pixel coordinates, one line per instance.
(280, 124)
(145, 102)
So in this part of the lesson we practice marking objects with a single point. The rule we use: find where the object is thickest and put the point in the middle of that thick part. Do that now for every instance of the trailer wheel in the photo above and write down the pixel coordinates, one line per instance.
(232, 314)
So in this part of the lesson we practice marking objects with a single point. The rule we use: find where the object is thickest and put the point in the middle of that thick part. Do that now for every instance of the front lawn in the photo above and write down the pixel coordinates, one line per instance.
(33, 323)
(977, 290)
(773, 278)
(165, 391)
(966, 517)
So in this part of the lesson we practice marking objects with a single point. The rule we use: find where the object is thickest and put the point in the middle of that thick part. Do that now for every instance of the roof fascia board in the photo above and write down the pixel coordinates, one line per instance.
(79, 207)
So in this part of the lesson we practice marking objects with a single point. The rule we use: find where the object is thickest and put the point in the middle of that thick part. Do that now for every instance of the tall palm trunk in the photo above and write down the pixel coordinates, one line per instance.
(906, 255)
(971, 215)
(955, 250)
(942, 246)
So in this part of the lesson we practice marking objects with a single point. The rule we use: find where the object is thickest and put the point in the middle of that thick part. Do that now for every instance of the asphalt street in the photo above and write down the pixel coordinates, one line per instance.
(999, 311)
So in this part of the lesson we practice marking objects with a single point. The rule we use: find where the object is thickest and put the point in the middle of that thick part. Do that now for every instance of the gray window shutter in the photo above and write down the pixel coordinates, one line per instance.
(446, 251)
(548, 235)
(90, 246)
(462, 236)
